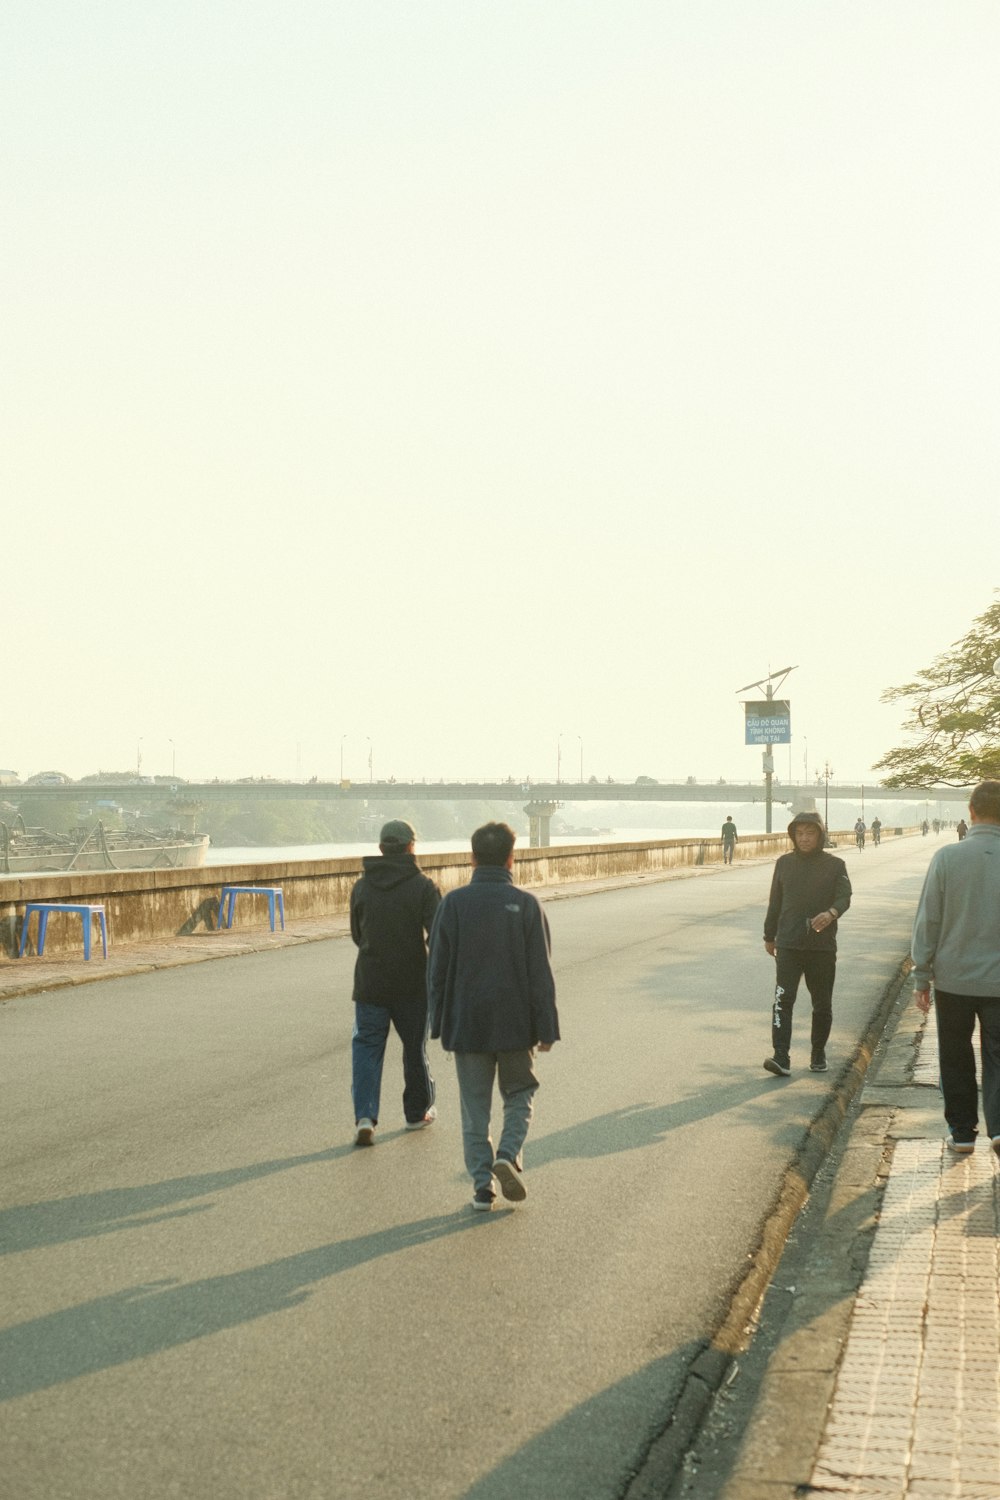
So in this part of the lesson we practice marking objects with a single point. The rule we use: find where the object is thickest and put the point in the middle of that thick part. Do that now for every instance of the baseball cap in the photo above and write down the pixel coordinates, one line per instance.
(397, 832)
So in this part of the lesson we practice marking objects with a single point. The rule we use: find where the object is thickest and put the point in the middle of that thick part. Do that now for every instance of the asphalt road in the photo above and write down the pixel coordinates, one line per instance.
(207, 1291)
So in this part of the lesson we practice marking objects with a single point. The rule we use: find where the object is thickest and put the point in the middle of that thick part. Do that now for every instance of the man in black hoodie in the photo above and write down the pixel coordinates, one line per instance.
(810, 891)
(392, 908)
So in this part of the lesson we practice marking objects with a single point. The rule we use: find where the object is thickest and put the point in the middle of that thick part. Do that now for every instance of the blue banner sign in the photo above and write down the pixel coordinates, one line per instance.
(769, 722)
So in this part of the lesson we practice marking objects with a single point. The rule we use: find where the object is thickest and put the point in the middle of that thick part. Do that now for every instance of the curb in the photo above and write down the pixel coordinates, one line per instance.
(709, 1368)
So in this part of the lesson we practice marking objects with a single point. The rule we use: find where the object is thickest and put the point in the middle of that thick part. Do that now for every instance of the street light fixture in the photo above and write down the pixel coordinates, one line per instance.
(827, 773)
(173, 757)
(138, 755)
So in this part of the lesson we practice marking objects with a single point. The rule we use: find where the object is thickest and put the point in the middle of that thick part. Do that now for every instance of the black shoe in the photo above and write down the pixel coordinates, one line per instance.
(482, 1199)
(780, 1067)
(818, 1064)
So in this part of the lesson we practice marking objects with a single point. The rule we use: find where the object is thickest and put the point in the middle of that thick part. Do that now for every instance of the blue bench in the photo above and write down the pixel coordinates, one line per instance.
(45, 910)
(228, 901)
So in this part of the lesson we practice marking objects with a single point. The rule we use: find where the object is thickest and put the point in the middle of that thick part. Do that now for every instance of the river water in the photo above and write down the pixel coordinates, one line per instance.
(272, 854)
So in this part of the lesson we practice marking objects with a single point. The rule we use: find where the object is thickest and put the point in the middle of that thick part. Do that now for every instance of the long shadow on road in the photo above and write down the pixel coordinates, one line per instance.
(635, 1126)
(147, 1319)
(61, 1220)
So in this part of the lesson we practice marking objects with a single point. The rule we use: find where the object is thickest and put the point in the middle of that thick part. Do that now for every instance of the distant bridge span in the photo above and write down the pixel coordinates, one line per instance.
(485, 791)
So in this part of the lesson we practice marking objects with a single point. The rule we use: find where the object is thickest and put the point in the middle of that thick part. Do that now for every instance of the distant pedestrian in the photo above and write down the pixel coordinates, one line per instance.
(392, 911)
(810, 891)
(956, 949)
(730, 838)
(962, 829)
(492, 1002)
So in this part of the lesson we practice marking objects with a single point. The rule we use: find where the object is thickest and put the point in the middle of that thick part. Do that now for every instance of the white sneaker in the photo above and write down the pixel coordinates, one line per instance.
(428, 1119)
(366, 1133)
(960, 1148)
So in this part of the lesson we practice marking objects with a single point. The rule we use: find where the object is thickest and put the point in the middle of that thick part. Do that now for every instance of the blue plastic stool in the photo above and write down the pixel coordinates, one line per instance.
(227, 902)
(45, 910)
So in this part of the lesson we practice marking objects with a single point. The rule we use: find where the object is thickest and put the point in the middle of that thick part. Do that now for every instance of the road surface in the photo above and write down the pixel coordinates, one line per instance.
(207, 1291)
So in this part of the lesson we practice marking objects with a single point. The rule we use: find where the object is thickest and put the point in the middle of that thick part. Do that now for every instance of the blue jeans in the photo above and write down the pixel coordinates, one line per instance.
(371, 1032)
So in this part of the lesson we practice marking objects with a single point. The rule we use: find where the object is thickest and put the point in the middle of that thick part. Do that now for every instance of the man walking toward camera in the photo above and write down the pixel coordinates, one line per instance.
(810, 892)
(392, 910)
(492, 1002)
(729, 839)
(956, 947)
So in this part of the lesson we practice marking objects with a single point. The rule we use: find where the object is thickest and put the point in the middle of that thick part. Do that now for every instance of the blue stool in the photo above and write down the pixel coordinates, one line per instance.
(228, 901)
(45, 910)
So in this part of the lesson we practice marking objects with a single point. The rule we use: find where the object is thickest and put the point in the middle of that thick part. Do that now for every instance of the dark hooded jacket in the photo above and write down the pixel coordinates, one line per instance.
(803, 886)
(490, 979)
(392, 909)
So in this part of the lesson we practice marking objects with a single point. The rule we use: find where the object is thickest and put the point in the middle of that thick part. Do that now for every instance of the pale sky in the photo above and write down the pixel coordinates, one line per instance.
(446, 378)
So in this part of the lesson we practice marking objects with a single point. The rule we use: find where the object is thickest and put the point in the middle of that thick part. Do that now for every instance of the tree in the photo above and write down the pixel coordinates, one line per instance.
(954, 714)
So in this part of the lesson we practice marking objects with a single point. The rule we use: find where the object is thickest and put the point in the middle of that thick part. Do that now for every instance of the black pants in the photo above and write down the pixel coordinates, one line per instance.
(819, 970)
(956, 1020)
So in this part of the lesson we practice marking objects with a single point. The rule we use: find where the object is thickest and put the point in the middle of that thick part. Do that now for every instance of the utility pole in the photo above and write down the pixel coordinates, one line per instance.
(768, 683)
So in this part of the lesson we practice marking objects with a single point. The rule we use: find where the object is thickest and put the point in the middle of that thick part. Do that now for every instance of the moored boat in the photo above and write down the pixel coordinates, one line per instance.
(30, 851)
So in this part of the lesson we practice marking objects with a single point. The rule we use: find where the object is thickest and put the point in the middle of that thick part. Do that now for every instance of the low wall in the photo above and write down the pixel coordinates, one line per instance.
(151, 905)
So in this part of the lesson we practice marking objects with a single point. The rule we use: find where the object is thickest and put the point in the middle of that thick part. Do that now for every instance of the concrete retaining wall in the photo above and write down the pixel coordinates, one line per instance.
(151, 905)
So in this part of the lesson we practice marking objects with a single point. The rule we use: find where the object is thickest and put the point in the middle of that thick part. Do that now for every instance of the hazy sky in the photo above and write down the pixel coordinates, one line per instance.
(456, 376)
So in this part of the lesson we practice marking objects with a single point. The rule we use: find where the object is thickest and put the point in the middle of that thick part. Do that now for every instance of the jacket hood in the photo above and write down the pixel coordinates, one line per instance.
(385, 871)
(812, 819)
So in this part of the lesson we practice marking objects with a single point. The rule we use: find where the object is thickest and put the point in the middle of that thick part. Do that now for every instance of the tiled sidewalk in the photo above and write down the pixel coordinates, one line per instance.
(916, 1410)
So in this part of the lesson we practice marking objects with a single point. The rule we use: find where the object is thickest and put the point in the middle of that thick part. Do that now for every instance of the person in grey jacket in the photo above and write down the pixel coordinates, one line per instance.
(956, 948)
(492, 1001)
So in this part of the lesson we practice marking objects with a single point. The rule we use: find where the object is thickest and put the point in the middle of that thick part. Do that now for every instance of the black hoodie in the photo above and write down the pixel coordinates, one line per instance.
(392, 908)
(803, 886)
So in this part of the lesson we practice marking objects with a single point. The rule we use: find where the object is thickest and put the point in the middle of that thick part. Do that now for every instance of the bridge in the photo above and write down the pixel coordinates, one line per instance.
(486, 791)
(540, 800)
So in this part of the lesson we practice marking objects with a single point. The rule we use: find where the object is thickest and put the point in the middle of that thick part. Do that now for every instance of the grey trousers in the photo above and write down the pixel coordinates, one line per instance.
(476, 1074)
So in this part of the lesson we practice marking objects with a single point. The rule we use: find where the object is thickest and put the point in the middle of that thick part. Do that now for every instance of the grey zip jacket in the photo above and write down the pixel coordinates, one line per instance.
(956, 933)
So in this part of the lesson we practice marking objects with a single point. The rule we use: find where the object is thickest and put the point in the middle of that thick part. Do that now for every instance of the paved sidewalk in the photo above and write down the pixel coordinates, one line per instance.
(890, 1388)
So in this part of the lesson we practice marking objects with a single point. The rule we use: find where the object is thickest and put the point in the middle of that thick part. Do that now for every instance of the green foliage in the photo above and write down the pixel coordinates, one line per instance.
(953, 714)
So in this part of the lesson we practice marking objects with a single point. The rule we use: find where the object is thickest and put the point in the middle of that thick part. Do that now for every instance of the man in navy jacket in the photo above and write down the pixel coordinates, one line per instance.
(492, 1001)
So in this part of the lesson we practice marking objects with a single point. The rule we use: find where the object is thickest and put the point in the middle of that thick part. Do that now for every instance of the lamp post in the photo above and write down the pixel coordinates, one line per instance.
(580, 738)
(173, 757)
(827, 773)
(559, 759)
(343, 737)
(138, 756)
(371, 753)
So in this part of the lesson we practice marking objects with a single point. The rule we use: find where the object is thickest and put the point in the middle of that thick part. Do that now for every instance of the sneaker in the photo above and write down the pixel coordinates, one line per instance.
(366, 1133)
(483, 1199)
(777, 1067)
(507, 1175)
(426, 1119)
(818, 1064)
(960, 1148)
(995, 1143)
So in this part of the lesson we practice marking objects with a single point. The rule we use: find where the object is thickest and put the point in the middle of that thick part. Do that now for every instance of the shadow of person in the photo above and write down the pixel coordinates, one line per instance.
(147, 1319)
(637, 1125)
(30, 1225)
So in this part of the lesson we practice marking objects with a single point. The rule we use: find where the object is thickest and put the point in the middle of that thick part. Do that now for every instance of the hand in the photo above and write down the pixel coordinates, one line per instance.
(545, 1046)
(769, 948)
(923, 999)
(820, 922)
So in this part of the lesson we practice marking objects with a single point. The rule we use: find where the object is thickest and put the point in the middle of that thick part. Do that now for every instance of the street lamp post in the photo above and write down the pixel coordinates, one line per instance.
(827, 773)
(173, 758)
(138, 755)
(559, 741)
